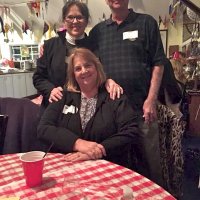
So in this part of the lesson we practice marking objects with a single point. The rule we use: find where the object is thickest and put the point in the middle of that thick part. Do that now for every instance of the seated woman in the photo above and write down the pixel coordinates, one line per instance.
(86, 124)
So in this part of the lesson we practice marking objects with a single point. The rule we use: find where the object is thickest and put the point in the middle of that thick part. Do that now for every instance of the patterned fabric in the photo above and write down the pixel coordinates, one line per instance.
(88, 107)
(128, 52)
(103, 178)
(171, 133)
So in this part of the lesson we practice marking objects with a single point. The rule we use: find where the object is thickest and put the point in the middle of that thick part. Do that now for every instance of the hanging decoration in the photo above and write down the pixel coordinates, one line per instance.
(55, 28)
(30, 7)
(7, 28)
(159, 21)
(25, 27)
(50, 31)
(46, 4)
(36, 7)
(164, 22)
(173, 11)
(46, 28)
(178, 7)
(2, 26)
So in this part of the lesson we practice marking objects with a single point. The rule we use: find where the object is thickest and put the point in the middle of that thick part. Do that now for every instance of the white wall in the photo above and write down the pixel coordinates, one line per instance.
(155, 8)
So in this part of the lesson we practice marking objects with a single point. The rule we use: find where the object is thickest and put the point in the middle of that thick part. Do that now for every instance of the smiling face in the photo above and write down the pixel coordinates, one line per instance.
(75, 22)
(117, 4)
(85, 73)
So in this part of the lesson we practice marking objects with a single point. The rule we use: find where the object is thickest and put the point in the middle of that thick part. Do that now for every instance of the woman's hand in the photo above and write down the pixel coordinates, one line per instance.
(41, 50)
(76, 156)
(92, 149)
(56, 94)
(114, 89)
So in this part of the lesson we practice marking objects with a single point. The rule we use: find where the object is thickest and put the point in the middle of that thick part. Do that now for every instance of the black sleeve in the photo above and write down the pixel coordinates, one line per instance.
(170, 85)
(50, 131)
(94, 40)
(41, 76)
(126, 122)
(156, 50)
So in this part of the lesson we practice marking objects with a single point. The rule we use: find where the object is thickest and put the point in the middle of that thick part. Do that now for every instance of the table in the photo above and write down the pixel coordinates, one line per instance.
(12, 183)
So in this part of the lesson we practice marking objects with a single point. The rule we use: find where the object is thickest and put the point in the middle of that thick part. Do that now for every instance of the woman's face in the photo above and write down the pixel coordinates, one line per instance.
(85, 73)
(75, 22)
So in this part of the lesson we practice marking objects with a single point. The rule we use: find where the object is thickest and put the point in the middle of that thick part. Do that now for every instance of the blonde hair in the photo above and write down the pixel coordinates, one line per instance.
(86, 54)
(178, 70)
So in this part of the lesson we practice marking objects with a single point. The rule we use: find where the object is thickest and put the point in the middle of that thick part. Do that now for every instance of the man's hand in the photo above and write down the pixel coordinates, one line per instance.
(149, 109)
(56, 94)
(92, 149)
(114, 89)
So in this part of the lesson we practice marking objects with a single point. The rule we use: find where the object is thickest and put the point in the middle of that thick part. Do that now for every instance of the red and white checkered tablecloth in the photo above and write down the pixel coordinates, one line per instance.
(103, 177)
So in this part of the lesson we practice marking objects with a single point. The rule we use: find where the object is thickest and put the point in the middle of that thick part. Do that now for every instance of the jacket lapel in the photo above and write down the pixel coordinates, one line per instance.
(75, 100)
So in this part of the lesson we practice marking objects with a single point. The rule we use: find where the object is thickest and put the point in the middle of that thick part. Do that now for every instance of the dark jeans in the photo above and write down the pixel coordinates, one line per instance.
(147, 151)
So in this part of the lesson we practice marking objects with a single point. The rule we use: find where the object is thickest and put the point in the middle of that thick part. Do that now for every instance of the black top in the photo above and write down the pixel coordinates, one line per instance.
(113, 125)
(51, 67)
(170, 84)
(129, 51)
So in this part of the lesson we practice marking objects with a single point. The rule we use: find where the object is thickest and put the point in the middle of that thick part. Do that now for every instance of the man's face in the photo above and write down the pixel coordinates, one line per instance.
(117, 4)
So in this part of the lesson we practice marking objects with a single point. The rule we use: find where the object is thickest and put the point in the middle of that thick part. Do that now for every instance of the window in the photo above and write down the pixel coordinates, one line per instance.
(24, 52)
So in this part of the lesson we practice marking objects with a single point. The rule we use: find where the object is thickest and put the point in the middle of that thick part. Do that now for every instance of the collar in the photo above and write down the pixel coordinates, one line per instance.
(76, 97)
(72, 40)
(130, 18)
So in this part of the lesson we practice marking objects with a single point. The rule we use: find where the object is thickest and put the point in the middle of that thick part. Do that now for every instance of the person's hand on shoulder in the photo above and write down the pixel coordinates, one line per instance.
(56, 94)
(41, 50)
(114, 89)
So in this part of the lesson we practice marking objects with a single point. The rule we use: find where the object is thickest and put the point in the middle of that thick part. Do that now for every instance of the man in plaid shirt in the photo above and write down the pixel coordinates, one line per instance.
(130, 47)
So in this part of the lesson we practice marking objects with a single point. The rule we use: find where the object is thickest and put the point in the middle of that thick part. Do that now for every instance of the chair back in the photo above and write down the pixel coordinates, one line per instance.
(3, 126)
(21, 130)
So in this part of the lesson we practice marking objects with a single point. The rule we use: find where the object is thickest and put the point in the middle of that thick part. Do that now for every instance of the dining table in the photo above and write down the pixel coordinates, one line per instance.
(96, 179)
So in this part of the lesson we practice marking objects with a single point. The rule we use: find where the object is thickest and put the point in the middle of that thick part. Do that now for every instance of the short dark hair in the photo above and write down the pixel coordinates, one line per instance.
(82, 7)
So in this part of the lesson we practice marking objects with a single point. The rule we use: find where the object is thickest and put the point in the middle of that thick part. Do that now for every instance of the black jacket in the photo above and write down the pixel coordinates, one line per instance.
(113, 125)
(170, 84)
(51, 67)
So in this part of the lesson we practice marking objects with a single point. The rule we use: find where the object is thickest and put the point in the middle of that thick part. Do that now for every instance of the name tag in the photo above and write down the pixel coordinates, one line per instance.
(69, 109)
(130, 35)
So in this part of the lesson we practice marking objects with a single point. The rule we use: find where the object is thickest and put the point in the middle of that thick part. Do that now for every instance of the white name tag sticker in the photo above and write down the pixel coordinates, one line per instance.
(69, 109)
(130, 35)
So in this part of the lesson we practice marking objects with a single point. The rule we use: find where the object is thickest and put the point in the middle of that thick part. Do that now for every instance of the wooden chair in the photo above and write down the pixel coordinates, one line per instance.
(3, 126)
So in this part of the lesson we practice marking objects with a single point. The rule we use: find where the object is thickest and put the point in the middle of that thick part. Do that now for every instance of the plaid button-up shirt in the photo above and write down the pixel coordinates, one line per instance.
(128, 52)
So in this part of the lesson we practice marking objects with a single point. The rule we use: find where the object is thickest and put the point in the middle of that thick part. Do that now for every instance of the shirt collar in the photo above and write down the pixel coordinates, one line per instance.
(72, 40)
(130, 17)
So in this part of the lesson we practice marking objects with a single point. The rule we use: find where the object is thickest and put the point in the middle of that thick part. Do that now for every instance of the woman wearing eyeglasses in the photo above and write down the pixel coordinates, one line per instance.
(50, 75)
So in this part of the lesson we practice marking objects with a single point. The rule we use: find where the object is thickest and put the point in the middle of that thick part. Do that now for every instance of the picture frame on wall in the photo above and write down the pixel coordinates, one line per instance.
(164, 35)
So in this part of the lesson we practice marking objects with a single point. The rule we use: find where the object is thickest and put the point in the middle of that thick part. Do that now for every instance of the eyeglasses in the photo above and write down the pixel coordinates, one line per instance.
(71, 18)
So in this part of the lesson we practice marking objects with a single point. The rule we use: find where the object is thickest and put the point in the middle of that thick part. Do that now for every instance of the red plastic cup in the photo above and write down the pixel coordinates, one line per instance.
(33, 164)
